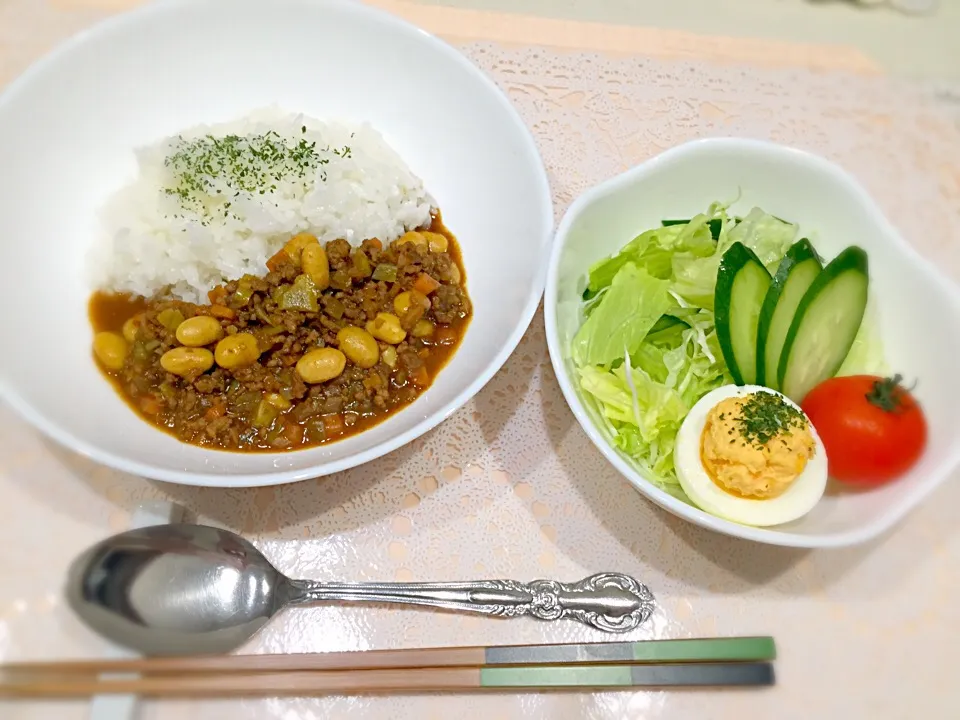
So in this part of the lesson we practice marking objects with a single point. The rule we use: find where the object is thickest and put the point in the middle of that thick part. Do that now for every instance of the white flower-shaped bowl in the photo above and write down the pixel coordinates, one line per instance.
(918, 310)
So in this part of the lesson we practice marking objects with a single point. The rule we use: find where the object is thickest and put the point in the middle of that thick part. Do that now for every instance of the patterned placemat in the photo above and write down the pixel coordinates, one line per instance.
(510, 486)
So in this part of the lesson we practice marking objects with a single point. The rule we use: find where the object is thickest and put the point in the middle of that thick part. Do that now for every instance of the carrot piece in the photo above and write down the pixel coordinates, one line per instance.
(420, 376)
(376, 243)
(333, 424)
(425, 284)
(215, 411)
(294, 433)
(150, 405)
(218, 296)
(222, 311)
(274, 262)
(372, 382)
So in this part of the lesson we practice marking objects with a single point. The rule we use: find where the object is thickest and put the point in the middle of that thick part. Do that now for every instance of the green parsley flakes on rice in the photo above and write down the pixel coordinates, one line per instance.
(215, 202)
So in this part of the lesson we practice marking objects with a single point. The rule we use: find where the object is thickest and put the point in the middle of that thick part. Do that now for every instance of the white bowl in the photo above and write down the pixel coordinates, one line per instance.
(68, 128)
(918, 309)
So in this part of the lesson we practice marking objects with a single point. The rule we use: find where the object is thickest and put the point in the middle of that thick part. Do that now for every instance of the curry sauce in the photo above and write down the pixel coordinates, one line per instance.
(242, 373)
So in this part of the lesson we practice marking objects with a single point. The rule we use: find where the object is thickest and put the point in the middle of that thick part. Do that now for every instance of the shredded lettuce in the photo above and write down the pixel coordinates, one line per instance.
(648, 349)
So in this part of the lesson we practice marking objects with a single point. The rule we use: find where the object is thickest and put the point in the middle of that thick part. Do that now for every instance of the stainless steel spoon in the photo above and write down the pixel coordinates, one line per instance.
(193, 589)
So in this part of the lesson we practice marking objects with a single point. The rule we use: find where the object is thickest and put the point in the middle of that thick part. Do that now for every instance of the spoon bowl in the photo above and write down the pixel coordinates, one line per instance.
(164, 592)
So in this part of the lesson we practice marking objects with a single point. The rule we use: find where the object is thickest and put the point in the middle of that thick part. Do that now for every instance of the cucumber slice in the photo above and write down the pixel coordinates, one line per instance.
(715, 225)
(798, 269)
(825, 325)
(667, 328)
(742, 284)
(667, 321)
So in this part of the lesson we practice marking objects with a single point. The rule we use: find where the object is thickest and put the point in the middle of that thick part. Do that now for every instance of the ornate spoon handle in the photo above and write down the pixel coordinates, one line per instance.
(609, 601)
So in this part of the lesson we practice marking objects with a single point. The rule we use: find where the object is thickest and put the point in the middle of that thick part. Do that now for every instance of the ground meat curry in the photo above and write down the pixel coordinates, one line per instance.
(329, 342)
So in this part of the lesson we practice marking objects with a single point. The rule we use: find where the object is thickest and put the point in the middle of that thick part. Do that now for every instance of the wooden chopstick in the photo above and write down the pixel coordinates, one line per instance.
(343, 682)
(717, 650)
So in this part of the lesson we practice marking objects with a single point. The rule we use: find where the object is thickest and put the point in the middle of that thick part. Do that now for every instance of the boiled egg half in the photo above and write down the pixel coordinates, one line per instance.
(749, 454)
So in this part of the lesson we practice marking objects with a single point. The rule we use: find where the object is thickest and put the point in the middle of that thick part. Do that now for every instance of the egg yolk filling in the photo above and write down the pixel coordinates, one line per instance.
(755, 446)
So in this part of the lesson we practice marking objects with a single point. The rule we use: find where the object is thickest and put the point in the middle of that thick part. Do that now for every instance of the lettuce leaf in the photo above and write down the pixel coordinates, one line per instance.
(768, 236)
(654, 250)
(619, 323)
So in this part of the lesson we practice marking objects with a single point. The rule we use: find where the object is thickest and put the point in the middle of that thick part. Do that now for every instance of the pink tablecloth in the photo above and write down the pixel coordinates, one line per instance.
(510, 486)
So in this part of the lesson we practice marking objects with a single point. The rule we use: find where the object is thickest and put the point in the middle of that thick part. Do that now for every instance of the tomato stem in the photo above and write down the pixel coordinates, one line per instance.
(887, 394)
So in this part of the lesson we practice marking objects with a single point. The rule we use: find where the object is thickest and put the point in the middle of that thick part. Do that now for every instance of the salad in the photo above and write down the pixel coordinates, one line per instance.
(719, 326)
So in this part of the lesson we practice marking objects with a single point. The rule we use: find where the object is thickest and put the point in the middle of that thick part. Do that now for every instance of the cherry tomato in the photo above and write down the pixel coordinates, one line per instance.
(872, 428)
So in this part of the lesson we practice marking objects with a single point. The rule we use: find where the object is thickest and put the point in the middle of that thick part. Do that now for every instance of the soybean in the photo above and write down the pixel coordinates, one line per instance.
(111, 349)
(321, 365)
(389, 356)
(186, 361)
(359, 346)
(199, 331)
(438, 243)
(297, 243)
(237, 351)
(130, 328)
(314, 262)
(414, 238)
(387, 327)
(403, 302)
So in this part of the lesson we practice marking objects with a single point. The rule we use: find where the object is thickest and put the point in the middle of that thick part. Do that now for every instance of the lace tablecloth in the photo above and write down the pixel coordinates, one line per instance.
(510, 486)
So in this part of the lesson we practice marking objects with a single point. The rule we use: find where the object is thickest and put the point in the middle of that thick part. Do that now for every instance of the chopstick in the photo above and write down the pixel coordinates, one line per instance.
(699, 662)
(344, 682)
(716, 650)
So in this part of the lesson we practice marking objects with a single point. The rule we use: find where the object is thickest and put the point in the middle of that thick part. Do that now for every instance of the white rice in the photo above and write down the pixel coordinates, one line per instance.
(155, 241)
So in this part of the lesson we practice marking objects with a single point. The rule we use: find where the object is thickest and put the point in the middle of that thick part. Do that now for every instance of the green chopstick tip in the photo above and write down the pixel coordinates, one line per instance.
(754, 649)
